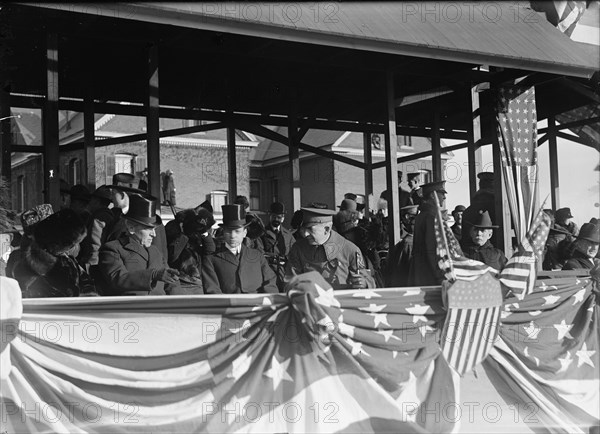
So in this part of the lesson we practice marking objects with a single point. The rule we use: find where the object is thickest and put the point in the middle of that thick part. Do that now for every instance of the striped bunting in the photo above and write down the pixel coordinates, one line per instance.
(471, 326)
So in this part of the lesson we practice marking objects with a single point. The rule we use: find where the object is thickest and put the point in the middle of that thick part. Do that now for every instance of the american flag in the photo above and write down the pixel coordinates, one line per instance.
(517, 137)
(519, 274)
(548, 355)
(474, 302)
(563, 14)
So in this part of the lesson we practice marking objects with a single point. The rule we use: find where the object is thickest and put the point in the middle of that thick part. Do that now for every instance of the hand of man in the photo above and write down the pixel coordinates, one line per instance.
(167, 275)
(357, 281)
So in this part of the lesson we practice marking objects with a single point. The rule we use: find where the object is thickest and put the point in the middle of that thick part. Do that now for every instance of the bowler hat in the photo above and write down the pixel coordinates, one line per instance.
(314, 216)
(80, 192)
(590, 232)
(102, 192)
(234, 216)
(277, 208)
(124, 182)
(412, 175)
(459, 208)
(348, 204)
(142, 210)
(242, 200)
(434, 186)
(563, 213)
(483, 221)
(350, 196)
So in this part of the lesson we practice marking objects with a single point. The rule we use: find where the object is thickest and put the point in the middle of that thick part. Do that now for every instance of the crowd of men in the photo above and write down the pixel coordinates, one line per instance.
(112, 241)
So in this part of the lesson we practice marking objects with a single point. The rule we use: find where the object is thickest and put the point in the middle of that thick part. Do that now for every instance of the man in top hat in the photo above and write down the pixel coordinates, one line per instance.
(424, 269)
(585, 248)
(277, 242)
(131, 265)
(321, 249)
(482, 249)
(235, 268)
(457, 215)
(414, 183)
(562, 220)
(398, 261)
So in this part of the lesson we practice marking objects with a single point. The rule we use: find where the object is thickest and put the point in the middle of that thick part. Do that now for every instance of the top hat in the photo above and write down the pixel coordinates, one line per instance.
(80, 192)
(563, 213)
(590, 232)
(348, 205)
(277, 208)
(314, 216)
(142, 210)
(434, 186)
(234, 216)
(483, 221)
(459, 208)
(485, 176)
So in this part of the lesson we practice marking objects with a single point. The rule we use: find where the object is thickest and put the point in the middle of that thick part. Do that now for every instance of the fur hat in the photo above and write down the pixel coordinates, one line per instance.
(36, 215)
(60, 232)
(198, 223)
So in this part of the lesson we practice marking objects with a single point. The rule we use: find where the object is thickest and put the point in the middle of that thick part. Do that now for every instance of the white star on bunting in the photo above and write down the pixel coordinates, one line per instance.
(240, 366)
(565, 362)
(380, 318)
(278, 372)
(366, 293)
(532, 330)
(578, 296)
(373, 308)
(563, 330)
(584, 356)
(326, 298)
(387, 334)
(356, 348)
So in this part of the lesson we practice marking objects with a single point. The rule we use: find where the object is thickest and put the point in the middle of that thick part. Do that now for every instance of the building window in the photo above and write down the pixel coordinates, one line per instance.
(425, 176)
(74, 171)
(21, 193)
(217, 199)
(274, 190)
(125, 163)
(254, 194)
(194, 123)
(405, 141)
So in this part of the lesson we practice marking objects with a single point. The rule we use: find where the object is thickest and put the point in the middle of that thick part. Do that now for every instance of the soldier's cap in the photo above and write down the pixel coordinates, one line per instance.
(409, 209)
(434, 186)
(486, 176)
(315, 216)
(412, 175)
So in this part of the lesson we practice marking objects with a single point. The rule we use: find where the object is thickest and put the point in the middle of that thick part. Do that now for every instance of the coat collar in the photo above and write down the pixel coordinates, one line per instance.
(226, 255)
(38, 260)
(129, 243)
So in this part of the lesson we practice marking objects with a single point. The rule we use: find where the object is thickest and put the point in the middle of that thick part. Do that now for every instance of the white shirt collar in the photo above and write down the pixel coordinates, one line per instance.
(234, 250)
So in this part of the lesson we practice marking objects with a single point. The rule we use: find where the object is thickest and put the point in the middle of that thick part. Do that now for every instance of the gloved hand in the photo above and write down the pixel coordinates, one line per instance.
(357, 281)
(167, 275)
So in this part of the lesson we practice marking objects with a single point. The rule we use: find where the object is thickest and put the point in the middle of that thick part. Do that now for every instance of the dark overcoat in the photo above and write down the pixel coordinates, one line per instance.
(126, 267)
(224, 273)
(579, 261)
(277, 247)
(424, 269)
(488, 254)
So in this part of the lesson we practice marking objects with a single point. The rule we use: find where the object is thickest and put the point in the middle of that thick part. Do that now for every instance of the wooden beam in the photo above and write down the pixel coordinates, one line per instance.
(569, 125)
(89, 154)
(6, 142)
(143, 136)
(423, 154)
(50, 125)
(474, 155)
(294, 156)
(262, 131)
(231, 164)
(582, 90)
(436, 154)
(368, 172)
(575, 139)
(553, 161)
(391, 166)
(153, 123)
(28, 149)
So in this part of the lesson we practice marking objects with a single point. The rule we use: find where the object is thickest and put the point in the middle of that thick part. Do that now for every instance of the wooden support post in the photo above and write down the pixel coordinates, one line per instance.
(474, 157)
(294, 157)
(231, 164)
(50, 125)
(553, 154)
(368, 173)
(89, 154)
(391, 166)
(436, 152)
(5, 141)
(153, 124)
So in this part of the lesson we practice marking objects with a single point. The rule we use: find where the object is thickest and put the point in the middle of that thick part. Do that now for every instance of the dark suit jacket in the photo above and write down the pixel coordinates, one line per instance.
(223, 273)
(424, 269)
(126, 267)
